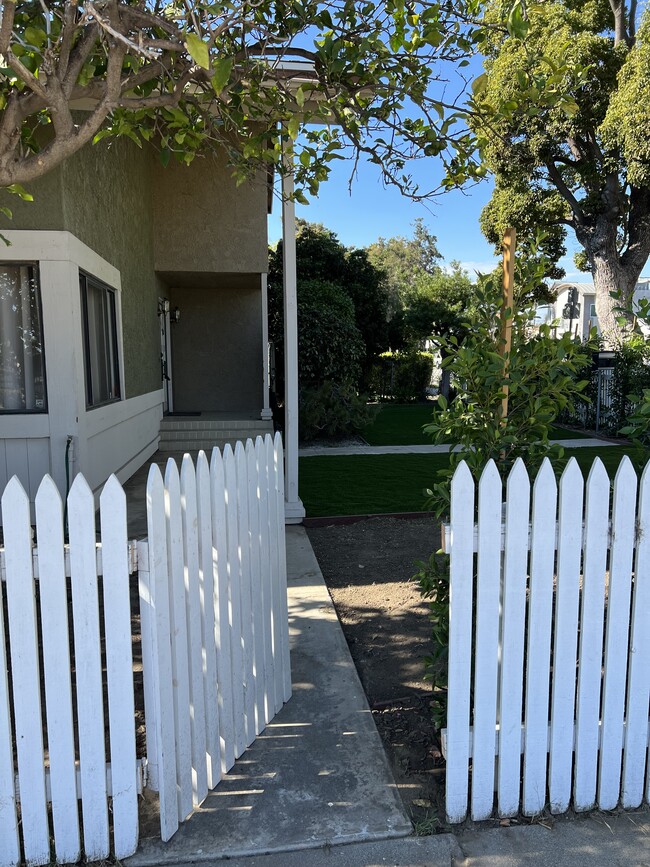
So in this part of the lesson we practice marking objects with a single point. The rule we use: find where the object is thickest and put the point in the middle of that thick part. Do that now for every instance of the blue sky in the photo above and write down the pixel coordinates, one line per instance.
(371, 211)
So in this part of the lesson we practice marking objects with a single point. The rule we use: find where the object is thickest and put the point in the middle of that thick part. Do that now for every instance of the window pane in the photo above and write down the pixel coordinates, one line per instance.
(22, 369)
(100, 326)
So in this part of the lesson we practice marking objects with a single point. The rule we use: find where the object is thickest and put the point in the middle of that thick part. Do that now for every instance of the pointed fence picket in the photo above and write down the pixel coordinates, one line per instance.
(543, 656)
(215, 563)
(39, 792)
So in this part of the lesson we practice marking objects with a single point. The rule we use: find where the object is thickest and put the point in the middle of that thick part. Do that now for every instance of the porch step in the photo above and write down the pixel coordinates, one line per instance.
(192, 434)
(210, 424)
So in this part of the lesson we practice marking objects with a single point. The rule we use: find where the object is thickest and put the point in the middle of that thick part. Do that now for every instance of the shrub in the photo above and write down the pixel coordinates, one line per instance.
(542, 374)
(402, 376)
(333, 410)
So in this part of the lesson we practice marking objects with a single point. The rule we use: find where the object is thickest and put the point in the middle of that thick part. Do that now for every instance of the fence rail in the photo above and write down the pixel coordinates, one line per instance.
(549, 680)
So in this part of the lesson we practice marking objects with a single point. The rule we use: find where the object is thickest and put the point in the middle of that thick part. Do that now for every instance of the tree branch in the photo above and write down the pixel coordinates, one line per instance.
(7, 25)
(565, 192)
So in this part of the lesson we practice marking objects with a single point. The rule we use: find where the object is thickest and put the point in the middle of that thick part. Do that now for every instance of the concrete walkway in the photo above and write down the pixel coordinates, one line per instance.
(318, 775)
(318, 451)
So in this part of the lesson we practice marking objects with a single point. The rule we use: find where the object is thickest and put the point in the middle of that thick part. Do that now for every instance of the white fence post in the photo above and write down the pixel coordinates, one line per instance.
(9, 840)
(490, 496)
(566, 636)
(244, 552)
(278, 453)
(119, 668)
(222, 611)
(23, 633)
(542, 568)
(512, 638)
(591, 637)
(616, 636)
(157, 657)
(460, 641)
(88, 665)
(56, 670)
(195, 629)
(180, 656)
(208, 625)
(235, 606)
(638, 690)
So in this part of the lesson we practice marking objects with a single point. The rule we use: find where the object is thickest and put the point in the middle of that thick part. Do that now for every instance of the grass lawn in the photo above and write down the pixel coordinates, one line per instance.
(401, 425)
(377, 484)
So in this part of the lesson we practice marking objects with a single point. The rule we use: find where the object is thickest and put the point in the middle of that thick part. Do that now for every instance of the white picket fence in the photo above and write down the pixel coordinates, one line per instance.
(36, 587)
(218, 532)
(549, 649)
(215, 646)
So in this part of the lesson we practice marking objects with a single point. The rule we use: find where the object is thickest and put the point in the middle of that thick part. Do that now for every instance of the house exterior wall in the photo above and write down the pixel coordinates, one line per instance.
(216, 347)
(205, 222)
(83, 196)
(117, 437)
(96, 213)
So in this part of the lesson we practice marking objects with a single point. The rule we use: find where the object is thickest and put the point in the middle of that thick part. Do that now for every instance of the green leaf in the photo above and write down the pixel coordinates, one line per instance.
(36, 37)
(20, 191)
(479, 84)
(221, 77)
(198, 50)
(517, 24)
(293, 127)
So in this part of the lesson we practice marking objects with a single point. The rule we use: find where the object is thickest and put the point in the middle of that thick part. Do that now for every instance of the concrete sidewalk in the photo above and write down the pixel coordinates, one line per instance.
(319, 451)
(620, 841)
(318, 775)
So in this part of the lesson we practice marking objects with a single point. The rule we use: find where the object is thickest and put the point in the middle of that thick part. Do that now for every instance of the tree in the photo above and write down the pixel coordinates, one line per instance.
(404, 260)
(562, 115)
(342, 307)
(187, 76)
(440, 305)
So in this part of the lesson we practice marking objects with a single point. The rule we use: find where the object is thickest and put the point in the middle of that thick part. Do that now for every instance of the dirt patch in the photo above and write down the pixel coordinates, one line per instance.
(367, 567)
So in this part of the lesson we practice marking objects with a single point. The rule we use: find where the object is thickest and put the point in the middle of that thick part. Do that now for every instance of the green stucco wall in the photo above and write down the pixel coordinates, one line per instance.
(205, 222)
(217, 348)
(168, 227)
(103, 197)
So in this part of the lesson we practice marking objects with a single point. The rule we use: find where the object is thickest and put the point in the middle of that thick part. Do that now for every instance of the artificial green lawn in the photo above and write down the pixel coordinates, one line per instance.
(401, 425)
(377, 484)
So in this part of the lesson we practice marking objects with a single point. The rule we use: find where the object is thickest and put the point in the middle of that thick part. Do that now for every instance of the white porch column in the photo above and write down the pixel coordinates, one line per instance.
(294, 510)
(266, 413)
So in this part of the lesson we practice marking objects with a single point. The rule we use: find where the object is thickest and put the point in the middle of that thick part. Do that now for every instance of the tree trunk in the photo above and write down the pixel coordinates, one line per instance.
(610, 276)
(613, 272)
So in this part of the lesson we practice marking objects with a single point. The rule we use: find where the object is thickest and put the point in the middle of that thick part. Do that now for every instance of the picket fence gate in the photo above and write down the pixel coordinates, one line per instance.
(215, 647)
(549, 644)
(217, 531)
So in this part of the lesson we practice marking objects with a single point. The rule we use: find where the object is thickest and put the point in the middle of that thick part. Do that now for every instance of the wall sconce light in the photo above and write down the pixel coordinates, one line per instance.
(175, 316)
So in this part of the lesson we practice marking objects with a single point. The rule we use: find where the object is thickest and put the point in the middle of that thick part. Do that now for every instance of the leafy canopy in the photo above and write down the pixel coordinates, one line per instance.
(187, 76)
(561, 115)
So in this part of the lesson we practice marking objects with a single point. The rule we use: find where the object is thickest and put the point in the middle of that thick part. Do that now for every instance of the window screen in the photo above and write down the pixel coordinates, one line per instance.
(100, 339)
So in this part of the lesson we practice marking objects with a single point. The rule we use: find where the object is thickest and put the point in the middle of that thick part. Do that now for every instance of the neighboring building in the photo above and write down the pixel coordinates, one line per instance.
(574, 309)
(131, 291)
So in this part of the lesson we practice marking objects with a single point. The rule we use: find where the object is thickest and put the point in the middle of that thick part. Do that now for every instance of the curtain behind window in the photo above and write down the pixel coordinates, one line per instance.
(22, 369)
